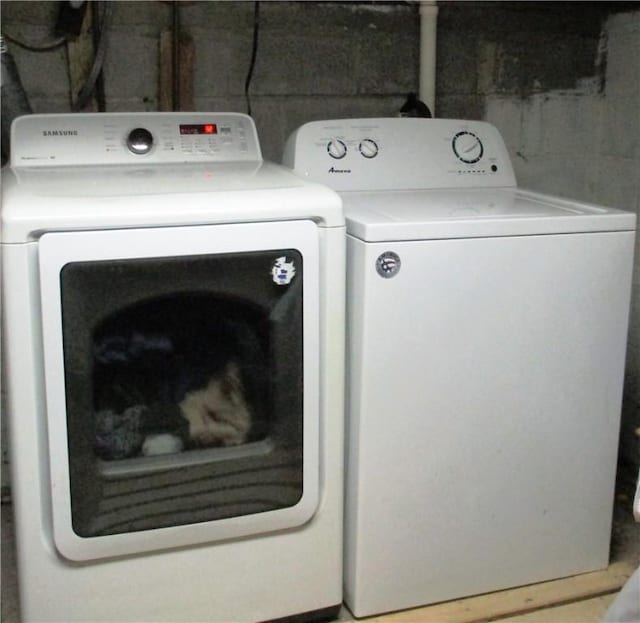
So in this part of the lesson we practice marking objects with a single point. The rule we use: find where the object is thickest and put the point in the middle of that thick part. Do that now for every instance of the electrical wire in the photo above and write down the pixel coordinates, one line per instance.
(254, 51)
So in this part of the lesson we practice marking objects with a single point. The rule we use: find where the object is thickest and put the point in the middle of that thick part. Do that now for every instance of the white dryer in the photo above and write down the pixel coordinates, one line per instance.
(173, 354)
(486, 346)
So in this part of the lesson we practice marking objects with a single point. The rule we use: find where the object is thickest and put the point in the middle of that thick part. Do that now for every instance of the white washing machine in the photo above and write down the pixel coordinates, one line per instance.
(173, 352)
(486, 345)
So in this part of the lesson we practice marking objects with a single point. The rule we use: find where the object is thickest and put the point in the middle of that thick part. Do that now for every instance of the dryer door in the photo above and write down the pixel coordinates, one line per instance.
(181, 369)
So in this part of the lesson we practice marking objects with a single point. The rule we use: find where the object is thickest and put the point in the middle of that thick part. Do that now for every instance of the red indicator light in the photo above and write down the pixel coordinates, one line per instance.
(198, 128)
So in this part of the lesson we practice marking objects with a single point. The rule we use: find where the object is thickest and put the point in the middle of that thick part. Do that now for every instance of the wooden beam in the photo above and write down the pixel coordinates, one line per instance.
(186, 60)
(516, 601)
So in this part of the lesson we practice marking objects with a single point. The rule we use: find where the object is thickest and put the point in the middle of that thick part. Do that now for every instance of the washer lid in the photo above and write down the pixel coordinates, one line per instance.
(473, 213)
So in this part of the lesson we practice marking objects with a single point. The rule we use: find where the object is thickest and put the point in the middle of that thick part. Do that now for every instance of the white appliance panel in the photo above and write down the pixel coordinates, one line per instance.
(228, 580)
(409, 153)
(485, 382)
(484, 370)
(56, 250)
(134, 139)
(185, 194)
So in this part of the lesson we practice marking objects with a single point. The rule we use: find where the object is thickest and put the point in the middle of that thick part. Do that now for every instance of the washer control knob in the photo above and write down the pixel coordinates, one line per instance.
(368, 148)
(336, 148)
(467, 147)
(140, 141)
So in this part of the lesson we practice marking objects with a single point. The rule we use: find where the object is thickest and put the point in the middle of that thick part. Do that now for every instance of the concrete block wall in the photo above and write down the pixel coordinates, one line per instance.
(563, 88)
(513, 48)
(314, 59)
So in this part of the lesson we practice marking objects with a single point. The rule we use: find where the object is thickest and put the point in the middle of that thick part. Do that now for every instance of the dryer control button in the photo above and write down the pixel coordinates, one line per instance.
(140, 141)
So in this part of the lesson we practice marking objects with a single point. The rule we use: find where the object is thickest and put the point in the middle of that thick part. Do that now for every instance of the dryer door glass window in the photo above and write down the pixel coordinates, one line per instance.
(184, 385)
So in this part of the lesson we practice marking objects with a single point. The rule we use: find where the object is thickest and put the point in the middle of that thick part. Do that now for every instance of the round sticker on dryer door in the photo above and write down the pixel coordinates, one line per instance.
(388, 264)
(283, 271)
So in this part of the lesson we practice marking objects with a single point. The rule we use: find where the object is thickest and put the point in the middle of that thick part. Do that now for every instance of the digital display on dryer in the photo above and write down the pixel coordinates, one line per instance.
(198, 128)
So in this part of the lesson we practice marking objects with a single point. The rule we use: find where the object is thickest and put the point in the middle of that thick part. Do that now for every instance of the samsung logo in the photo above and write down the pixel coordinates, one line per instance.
(60, 133)
(334, 170)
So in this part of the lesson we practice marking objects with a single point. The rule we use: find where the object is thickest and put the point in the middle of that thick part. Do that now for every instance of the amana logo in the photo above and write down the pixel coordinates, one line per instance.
(60, 133)
(334, 170)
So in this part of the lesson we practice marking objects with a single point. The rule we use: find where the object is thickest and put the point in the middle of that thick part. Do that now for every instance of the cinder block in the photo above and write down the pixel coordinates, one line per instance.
(282, 65)
(621, 126)
(531, 129)
(143, 17)
(553, 174)
(221, 103)
(505, 114)
(234, 17)
(46, 104)
(41, 73)
(222, 62)
(324, 48)
(457, 63)
(460, 106)
(618, 182)
(18, 12)
(569, 123)
(623, 55)
(269, 114)
(131, 67)
(132, 104)
(326, 18)
(387, 62)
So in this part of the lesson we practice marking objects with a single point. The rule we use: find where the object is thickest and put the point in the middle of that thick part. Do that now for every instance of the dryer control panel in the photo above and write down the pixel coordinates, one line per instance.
(127, 138)
(400, 153)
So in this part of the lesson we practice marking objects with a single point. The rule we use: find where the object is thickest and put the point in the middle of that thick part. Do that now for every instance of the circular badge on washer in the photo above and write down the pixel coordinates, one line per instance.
(388, 264)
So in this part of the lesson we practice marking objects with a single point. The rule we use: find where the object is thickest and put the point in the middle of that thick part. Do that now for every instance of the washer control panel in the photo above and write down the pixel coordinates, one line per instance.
(338, 148)
(125, 138)
(400, 153)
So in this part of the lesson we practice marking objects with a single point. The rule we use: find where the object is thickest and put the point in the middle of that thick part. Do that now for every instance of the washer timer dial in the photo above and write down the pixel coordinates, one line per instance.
(467, 147)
